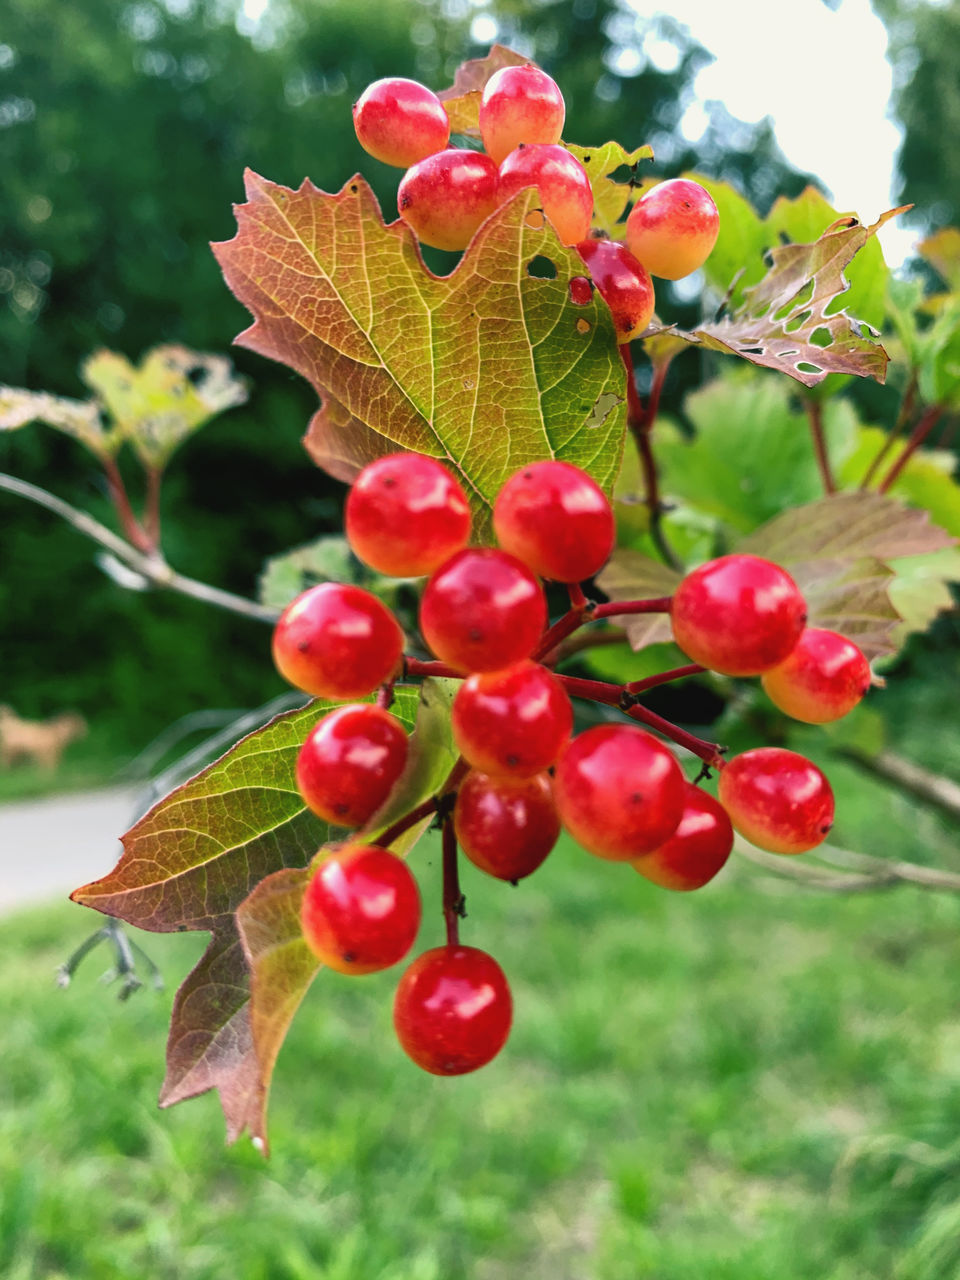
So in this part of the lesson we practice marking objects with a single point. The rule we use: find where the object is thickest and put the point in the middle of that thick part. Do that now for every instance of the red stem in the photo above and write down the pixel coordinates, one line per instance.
(815, 418)
(710, 753)
(640, 422)
(615, 608)
(386, 839)
(452, 897)
(151, 511)
(593, 690)
(920, 432)
(562, 628)
(414, 667)
(133, 530)
(651, 682)
(906, 408)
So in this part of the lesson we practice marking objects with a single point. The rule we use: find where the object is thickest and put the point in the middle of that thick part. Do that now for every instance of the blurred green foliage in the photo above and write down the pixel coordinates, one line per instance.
(125, 126)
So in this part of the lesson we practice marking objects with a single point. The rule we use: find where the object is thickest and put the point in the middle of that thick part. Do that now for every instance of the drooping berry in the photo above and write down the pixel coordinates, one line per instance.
(738, 615)
(361, 910)
(506, 827)
(623, 283)
(482, 610)
(697, 849)
(349, 763)
(400, 121)
(406, 514)
(778, 800)
(566, 195)
(556, 519)
(453, 1010)
(519, 104)
(337, 641)
(673, 227)
(445, 197)
(823, 678)
(619, 791)
(513, 722)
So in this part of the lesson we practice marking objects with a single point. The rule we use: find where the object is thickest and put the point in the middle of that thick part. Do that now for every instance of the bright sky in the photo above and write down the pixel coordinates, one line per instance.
(822, 77)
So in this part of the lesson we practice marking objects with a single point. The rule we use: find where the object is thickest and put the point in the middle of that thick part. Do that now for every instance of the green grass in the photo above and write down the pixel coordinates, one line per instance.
(743, 1084)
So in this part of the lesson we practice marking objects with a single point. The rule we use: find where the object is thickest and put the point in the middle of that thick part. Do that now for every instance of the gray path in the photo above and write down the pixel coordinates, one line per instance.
(48, 847)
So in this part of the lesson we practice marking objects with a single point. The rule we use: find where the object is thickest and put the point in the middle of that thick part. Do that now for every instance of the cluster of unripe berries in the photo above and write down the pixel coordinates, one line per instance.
(615, 787)
(447, 192)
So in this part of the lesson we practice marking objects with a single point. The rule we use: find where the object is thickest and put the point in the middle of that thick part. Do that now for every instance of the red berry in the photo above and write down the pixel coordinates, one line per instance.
(566, 195)
(697, 849)
(482, 610)
(349, 762)
(556, 519)
(506, 827)
(361, 910)
(453, 1010)
(336, 641)
(519, 104)
(400, 121)
(778, 800)
(623, 284)
(739, 615)
(514, 722)
(619, 791)
(673, 228)
(444, 198)
(406, 514)
(824, 677)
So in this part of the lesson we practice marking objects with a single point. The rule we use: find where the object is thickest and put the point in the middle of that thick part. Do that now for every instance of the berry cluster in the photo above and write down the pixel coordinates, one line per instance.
(447, 192)
(616, 787)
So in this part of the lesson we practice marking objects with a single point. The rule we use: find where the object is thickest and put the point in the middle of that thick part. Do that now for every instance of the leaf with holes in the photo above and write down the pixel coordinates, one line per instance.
(171, 394)
(188, 864)
(787, 321)
(80, 419)
(462, 99)
(488, 368)
(610, 196)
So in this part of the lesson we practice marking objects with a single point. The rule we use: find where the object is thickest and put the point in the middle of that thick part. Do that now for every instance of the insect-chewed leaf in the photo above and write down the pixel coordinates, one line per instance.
(172, 393)
(610, 196)
(77, 418)
(787, 321)
(488, 368)
(462, 99)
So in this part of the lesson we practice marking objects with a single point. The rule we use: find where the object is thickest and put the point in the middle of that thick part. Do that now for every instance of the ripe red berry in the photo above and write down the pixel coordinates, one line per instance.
(349, 762)
(400, 121)
(337, 641)
(406, 514)
(673, 227)
(453, 1010)
(556, 519)
(619, 791)
(506, 827)
(482, 610)
(697, 849)
(361, 910)
(623, 283)
(444, 198)
(824, 677)
(778, 800)
(566, 195)
(514, 722)
(519, 104)
(739, 615)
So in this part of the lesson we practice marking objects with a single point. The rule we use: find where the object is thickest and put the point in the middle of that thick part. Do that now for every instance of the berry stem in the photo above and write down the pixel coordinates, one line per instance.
(815, 418)
(563, 627)
(613, 609)
(651, 682)
(151, 510)
(640, 421)
(452, 897)
(920, 432)
(711, 753)
(577, 599)
(610, 695)
(133, 530)
(414, 667)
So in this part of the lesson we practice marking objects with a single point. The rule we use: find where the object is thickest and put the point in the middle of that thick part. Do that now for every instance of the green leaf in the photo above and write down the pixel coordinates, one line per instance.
(327, 559)
(80, 419)
(488, 368)
(737, 259)
(921, 590)
(789, 320)
(610, 197)
(926, 481)
(172, 393)
(843, 552)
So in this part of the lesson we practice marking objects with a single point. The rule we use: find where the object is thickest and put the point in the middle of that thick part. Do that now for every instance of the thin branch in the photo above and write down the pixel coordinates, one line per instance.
(620, 608)
(903, 417)
(815, 418)
(453, 907)
(872, 873)
(151, 510)
(134, 530)
(711, 753)
(920, 432)
(585, 640)
(152, 566)
(416, 667)
(910, 777)
(651, 682)
(640, 421)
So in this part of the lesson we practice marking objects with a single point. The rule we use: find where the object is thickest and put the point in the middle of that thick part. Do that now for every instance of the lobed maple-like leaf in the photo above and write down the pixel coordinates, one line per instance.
(787, 320)
(611, 197)
(845, 553)
(488, 368)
